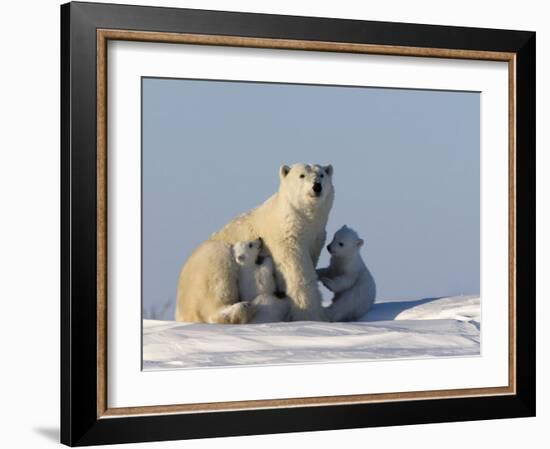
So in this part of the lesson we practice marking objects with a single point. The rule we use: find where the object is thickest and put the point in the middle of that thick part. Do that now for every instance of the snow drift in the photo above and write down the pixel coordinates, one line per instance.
(433, 327)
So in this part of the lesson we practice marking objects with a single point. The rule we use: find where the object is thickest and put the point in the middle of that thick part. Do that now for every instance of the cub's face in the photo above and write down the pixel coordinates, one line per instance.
(246, 253)
(346, 243)
(307, 185)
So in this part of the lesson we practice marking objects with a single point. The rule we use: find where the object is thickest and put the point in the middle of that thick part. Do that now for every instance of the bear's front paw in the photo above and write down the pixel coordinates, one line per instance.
(328, 283)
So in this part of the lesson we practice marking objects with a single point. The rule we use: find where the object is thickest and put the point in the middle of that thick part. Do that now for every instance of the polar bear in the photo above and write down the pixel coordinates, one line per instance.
(348, 277)
(255, 272)
(257, 283)
(223, 305)
(292, 225)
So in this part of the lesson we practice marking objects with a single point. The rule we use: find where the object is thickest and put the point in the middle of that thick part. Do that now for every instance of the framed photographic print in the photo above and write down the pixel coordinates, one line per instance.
(280, 224)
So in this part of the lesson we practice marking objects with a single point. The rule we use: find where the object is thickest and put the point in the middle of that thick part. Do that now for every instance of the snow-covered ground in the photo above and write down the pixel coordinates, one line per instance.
(434, 327)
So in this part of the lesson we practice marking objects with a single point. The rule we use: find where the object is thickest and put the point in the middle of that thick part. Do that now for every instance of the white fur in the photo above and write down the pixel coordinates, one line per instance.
(222, 305)
(255, 273)
(348, 277)
(257, 283)
(270, 309)
(292, 225)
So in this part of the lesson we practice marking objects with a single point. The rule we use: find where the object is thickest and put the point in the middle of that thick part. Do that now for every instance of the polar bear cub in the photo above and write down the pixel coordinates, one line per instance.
(348, 277)
(255, 272)
(257, 282)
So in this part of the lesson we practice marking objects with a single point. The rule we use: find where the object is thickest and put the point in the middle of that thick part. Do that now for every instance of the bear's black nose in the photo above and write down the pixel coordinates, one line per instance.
(317, 187)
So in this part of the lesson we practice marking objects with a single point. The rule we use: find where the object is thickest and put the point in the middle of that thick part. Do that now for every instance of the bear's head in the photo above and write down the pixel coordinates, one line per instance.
(307, 186)
(345, 243)
(246, 253)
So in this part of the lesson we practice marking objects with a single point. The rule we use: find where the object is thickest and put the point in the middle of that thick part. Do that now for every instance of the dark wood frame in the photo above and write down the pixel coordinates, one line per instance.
(85, 30)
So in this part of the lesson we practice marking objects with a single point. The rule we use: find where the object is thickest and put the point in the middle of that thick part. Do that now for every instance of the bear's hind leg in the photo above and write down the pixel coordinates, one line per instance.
(343, 307)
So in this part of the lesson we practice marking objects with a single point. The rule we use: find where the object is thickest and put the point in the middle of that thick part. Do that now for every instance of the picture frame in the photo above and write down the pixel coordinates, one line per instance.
(86, 28)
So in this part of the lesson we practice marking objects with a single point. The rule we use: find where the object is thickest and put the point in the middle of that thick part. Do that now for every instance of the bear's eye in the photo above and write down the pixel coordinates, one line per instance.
(341, 244)
(322, 176)
(302, 176)
(250, 245)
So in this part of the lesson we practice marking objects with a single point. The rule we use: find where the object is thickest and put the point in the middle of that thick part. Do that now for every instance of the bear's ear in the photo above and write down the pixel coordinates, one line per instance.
(329, 170)
(360, 242)
(283, 171)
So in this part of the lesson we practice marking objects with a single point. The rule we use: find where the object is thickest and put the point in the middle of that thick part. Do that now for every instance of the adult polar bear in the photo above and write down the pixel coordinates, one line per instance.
(292, 226)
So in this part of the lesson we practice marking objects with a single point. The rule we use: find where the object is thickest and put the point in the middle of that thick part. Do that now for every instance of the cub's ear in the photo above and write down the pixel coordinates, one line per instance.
(283, 171)
(329, 170)
(360, 242)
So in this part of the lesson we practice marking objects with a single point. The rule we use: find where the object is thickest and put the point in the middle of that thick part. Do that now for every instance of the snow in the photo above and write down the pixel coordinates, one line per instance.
(432, 327)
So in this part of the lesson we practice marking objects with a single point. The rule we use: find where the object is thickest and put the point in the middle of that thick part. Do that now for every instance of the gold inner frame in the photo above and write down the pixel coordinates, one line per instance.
(104, 35)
